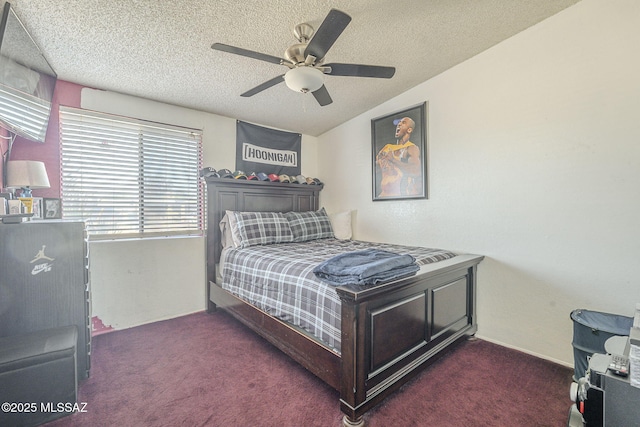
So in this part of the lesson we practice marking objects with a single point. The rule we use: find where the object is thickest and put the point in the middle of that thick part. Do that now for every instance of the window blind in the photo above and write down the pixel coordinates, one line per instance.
(130, 178)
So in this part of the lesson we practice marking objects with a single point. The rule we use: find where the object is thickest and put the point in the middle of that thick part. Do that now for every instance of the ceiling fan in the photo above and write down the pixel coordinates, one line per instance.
(305, 59)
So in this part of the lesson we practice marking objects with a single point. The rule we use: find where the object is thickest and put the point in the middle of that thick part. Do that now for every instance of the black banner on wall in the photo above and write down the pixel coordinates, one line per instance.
(260, 149)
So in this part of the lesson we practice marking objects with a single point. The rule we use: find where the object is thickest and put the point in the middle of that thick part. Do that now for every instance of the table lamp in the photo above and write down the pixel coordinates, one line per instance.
(27, 175)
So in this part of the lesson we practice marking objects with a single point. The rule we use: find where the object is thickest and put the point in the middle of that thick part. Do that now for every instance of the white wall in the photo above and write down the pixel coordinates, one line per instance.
(140, 281)
(534, 162)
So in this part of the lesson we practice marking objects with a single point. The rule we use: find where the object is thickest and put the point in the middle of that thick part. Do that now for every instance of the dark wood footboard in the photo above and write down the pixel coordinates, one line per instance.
(390, 332)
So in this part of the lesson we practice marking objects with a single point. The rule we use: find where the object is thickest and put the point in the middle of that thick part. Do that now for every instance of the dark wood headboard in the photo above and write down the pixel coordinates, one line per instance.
(250, 196)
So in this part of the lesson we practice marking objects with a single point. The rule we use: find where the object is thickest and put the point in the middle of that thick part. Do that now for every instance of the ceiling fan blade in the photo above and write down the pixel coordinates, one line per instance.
(266, 85)
(359, 70)
(327, 34)
(322, 96)
(248, 53)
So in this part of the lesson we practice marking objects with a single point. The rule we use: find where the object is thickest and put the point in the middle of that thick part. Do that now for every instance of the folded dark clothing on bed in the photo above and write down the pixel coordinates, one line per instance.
(366, 267)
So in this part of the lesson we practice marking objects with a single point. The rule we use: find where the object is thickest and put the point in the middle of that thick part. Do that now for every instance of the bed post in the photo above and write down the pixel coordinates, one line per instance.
(347, 422)
(352, 352)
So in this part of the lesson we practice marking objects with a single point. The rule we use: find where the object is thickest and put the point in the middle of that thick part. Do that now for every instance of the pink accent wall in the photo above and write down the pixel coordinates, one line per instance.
(67, 94)
(98, 327)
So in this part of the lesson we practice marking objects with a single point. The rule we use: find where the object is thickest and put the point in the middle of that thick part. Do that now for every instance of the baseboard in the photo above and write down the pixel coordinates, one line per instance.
(529, 352)
(110, 329)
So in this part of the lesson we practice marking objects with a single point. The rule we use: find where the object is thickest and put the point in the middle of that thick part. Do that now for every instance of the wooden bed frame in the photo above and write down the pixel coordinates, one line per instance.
(388, 332)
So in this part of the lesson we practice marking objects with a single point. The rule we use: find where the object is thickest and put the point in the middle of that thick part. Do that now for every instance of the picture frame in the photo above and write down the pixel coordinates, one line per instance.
(37, 207)
(51, 208)
(399, 160)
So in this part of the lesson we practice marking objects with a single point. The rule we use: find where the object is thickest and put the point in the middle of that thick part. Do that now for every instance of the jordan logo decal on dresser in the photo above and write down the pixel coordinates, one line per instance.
(44, 266)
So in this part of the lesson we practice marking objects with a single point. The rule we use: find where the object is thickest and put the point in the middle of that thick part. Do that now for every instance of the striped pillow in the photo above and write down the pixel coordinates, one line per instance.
(260, 228)
(309, 225)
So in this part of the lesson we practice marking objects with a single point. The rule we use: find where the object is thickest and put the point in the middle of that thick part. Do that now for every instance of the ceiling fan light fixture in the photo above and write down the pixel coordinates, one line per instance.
(304, 79)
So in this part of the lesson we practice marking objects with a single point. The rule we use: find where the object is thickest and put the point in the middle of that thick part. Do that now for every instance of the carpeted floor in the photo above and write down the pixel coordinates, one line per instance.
(209, 370)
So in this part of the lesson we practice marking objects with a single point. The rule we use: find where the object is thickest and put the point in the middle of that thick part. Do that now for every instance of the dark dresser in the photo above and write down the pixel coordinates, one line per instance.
(44, 281)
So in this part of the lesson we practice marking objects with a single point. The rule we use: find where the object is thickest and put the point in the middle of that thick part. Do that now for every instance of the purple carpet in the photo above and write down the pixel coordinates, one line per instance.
(209, 370)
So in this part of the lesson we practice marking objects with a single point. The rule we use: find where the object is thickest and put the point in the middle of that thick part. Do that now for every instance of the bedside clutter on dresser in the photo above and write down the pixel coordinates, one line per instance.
(15, 210)
(4, 203)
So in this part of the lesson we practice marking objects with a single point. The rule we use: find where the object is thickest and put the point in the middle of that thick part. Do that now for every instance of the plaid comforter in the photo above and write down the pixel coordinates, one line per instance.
(279, 280)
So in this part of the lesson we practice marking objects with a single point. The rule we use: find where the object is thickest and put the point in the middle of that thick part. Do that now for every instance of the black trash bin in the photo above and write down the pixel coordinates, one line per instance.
(591, 329)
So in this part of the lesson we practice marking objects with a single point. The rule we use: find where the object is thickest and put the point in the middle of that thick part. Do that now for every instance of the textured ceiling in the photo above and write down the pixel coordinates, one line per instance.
(161, 50)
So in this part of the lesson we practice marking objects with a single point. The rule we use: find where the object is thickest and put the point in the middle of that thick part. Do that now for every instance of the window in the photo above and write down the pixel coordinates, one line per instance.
(130, 178)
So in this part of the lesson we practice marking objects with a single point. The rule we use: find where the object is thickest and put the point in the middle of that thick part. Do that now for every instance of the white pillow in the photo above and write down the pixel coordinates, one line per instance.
(341, 224)
(227, 234)
(233, 228)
